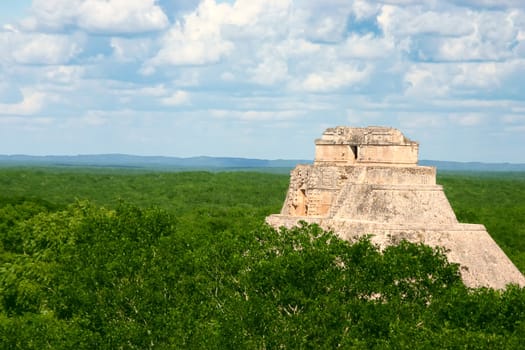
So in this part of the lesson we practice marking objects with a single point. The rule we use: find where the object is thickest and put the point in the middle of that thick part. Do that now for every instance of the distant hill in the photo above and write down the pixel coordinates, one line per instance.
(212, 163)
(148, 162)
(473, 166)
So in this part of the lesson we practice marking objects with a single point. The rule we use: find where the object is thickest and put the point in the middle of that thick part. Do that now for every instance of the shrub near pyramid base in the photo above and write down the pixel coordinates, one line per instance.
(366, 181)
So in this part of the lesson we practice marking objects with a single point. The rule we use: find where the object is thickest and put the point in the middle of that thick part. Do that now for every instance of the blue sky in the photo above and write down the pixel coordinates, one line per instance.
(261, 78)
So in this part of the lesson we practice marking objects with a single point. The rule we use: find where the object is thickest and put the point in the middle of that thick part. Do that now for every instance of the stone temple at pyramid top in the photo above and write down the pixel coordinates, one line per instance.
(366, 181)
(372, 145)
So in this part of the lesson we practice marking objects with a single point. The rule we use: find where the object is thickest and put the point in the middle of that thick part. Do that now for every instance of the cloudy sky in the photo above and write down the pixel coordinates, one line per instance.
(260, 78)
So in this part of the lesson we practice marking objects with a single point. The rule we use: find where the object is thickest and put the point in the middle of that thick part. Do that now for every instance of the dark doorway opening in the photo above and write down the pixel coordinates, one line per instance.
(354, 151)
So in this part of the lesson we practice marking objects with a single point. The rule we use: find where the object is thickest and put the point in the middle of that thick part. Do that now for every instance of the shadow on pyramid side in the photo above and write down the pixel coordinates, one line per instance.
(367, 181)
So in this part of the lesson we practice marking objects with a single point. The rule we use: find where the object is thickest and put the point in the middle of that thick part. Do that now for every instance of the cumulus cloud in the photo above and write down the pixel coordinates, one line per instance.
(494, 35)
(121, 16)
(99, 16)
(52, 14)
(398, 21)
(321, 21)
(199, 38)
(38, 48)
(457, 34)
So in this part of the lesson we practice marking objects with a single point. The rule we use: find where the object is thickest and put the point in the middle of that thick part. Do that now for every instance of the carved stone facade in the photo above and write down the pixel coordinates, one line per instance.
(372, 145)
(367, 181)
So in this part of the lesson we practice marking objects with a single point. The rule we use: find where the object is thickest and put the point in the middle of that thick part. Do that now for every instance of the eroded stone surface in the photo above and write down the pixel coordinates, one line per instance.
(367, 181)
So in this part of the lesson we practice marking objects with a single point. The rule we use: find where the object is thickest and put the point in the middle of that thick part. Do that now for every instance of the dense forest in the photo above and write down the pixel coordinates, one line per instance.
(114, 259)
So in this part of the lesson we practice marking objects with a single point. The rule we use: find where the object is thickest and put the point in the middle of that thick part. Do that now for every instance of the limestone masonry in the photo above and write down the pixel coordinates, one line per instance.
(367, 181)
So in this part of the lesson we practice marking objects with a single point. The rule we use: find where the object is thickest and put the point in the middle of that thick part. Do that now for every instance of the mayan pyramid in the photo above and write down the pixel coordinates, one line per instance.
(367, 181)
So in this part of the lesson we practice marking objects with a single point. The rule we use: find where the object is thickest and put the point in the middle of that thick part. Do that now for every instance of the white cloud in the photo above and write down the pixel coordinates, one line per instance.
(426, 81)
(321, 21)
(327, 28)
(405, 21)
(176, 99)
(257, 19)
(100, 16)
(454, 79)
(36, 48)
(10, 28)
(131, 49)
(121, 16)
(64, 74)
(367, 46)
(479, 75)
(363, 9)
(455, 34)
(439, 80)
(52, 14)
(199, 38)
(493, 36)
(341, 76)
(270, 71)
(31, 104)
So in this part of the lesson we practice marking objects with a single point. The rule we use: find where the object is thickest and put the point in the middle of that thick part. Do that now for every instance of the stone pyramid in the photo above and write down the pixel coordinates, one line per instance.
(367, 181)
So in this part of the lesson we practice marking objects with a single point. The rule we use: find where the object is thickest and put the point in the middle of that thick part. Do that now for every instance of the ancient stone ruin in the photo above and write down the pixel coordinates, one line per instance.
(367, 181)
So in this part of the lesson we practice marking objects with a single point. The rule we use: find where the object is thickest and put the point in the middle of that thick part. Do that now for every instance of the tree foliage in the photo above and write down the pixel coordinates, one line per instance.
(90, 277)
(205, 272)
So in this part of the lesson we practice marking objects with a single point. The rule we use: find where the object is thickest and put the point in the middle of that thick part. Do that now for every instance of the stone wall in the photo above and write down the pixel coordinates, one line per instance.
(372, 145)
